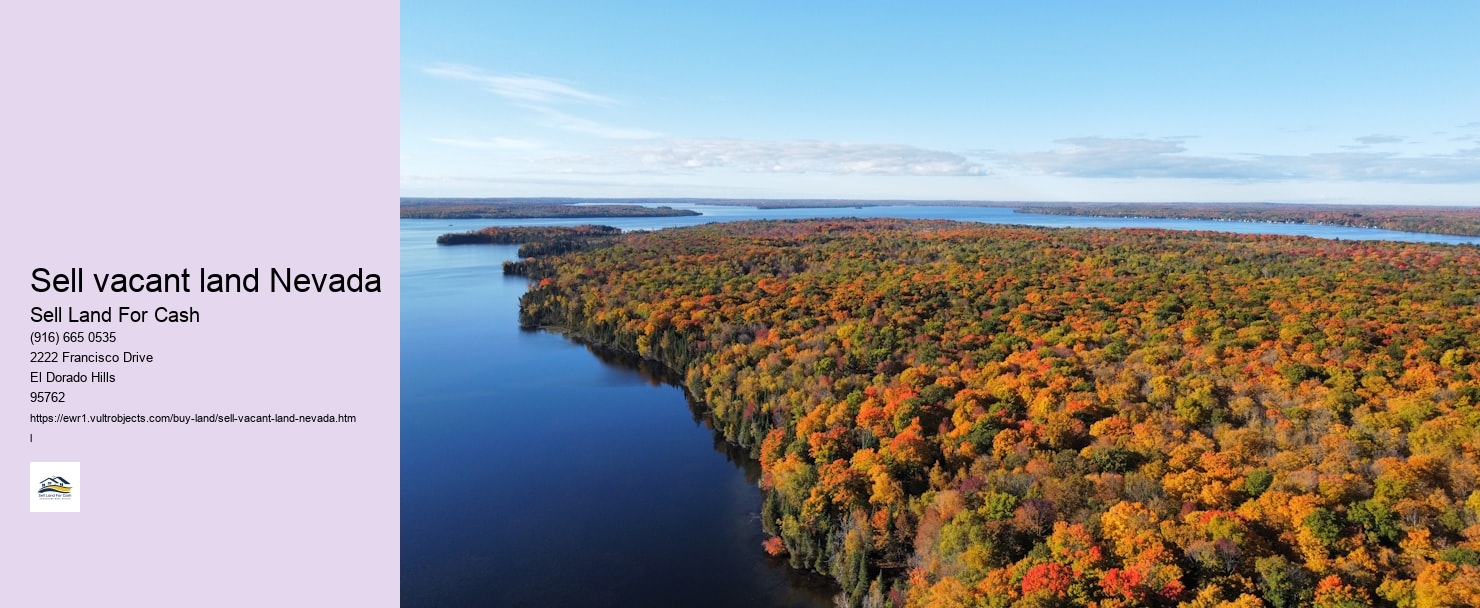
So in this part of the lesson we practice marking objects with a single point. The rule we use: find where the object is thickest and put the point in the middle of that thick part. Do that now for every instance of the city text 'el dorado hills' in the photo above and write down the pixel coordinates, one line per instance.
(43, 280)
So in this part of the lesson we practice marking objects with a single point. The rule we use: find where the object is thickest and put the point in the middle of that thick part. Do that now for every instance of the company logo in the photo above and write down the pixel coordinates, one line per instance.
(55, 485)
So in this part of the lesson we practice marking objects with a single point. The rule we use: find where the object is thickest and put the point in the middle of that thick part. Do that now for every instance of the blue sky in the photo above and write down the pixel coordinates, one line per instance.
(1320, 102)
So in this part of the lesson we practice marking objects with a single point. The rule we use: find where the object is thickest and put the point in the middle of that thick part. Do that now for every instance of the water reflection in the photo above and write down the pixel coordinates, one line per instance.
(534, 473)
(657, 374)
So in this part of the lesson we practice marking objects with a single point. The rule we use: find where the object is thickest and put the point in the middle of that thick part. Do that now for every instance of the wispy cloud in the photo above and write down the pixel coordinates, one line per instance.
(1129, 158)
(803, 156)
(518, 87)
(492, 143)
(561, 120)
(1469, 131)
(1379, 139)
(541, 95)
(1124, 158)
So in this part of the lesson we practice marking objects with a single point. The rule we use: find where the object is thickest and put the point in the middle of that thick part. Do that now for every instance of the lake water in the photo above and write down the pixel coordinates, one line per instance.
(538, 472)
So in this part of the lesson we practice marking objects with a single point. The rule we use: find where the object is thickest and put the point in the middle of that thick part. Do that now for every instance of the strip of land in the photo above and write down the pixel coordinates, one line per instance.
(477, 208)
(1459, 221)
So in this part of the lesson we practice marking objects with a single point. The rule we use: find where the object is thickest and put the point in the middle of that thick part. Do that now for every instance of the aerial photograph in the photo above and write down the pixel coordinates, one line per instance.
(957, 304)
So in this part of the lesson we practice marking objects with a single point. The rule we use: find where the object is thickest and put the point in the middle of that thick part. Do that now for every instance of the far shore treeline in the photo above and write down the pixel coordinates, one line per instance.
(1452, 220)
(442, 208)
(1458, 221)
(1430, 219)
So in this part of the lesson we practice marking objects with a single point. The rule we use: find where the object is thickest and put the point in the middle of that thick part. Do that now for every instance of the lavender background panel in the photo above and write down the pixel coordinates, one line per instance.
(160, 135)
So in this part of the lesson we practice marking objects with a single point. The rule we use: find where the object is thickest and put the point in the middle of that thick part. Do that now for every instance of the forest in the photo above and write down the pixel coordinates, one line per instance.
(953, 414)
(1462, 221)
(535, 240)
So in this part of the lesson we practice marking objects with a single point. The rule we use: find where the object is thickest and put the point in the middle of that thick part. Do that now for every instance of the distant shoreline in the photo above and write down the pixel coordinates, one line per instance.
(1455, 220)
(461, 209)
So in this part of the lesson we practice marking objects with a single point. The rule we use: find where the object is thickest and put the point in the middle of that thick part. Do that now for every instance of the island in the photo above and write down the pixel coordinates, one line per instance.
(968, 415)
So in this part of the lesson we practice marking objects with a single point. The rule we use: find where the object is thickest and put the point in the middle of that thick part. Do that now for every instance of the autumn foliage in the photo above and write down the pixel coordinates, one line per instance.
(508, 235)
(956, 414)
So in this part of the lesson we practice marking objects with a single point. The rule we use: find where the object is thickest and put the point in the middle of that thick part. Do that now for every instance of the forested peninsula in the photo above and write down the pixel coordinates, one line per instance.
(953, 414)
(1460, 221)
(535, 240)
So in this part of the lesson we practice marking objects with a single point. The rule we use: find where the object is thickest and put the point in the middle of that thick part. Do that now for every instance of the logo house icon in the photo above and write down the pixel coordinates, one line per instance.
(55, 485)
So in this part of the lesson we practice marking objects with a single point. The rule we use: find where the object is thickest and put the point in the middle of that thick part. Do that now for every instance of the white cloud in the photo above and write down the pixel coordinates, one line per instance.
(518, 88)
(1127, 157)
(1099, 157)
(801, 157)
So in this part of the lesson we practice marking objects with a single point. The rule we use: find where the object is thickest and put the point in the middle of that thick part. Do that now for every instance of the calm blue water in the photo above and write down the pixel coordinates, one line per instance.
(535, 472)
